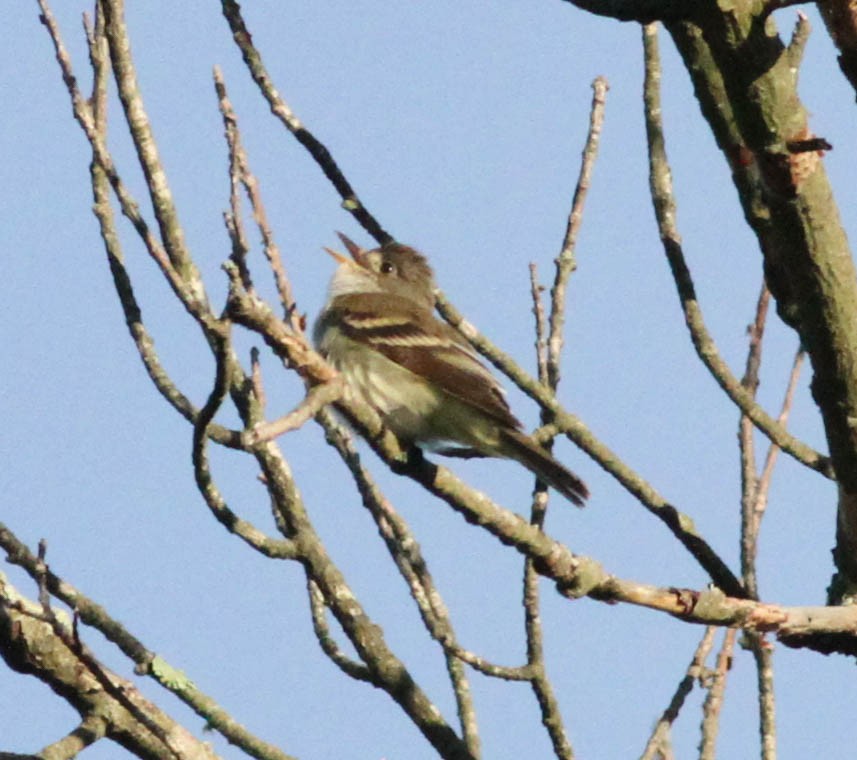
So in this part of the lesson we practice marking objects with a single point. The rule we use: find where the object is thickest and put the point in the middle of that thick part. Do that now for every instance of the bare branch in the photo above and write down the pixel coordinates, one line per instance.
(539, 681)
(566, 262)
(328, 645)
(406, 554)
(785, 410)
(147, 153)
(714, 700)
(321, 155)
(540, 344)
(664, 204)
(576, 431)
(749, 477)
(275, 549)
(233, 218)
(660, 734)
(147, 662)
(91, 729)
(763, 653)
(251, 186)
(32, 645)
(316, 398)
(68, 634)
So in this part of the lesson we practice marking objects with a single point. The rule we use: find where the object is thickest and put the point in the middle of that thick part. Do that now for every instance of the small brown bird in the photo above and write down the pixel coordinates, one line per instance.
(422, 377)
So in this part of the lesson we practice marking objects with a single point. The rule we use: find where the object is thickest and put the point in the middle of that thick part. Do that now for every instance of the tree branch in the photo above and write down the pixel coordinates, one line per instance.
(714, 699)
(660, 735)
(840, 18)
(680, 524)
(644, 11)
(566, 262)
(665, 211)
(147, 662)
(31, 645)
(789, 203)
(280, 109)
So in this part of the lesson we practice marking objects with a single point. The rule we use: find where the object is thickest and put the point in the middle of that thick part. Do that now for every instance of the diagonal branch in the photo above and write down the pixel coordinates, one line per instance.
(240, 172)
(140, 130)
(251, 535)
(30, 644)
(577, 432)
(279, 107)
(661, 732)
(147, 662)
(406, 554)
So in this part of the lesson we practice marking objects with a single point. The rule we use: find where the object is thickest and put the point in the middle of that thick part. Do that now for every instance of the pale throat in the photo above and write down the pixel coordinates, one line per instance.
(348, 279)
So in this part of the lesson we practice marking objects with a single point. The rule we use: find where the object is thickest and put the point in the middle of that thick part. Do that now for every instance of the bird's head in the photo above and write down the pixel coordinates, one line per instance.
(393, 268)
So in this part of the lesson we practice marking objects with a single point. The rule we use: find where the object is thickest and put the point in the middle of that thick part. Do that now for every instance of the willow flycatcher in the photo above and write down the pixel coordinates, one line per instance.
(421, 376)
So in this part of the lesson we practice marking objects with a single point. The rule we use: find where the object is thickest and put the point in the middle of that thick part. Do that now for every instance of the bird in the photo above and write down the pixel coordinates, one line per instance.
(423, 378)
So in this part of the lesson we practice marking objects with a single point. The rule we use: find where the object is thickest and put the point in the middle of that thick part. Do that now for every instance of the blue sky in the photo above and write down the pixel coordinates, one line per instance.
(460, 125)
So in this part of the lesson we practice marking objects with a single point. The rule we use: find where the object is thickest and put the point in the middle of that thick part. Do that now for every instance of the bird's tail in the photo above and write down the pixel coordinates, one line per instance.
(520, 447)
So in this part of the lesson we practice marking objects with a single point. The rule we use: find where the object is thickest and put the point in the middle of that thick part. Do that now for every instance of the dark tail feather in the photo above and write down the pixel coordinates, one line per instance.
(520, 447)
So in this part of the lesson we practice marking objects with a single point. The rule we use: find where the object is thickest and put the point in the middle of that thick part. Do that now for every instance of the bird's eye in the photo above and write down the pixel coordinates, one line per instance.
(387, 267)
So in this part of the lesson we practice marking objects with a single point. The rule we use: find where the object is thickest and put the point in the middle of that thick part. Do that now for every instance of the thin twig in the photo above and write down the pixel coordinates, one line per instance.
(714, 700)
(541, 346)
(660, 734)
(321, 155)
(256, 378)
(233, 218)
(270, 547)
(316, 398)
(749, 476)
(351, 668)
(140, 129)
(539, 681)
(251, 187)
(763, 653)
(566, 262)
(773, 449)
(409, 560)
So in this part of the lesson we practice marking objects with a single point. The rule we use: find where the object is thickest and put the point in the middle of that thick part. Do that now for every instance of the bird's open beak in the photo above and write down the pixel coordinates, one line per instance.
(358, 254)
(339, 257)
